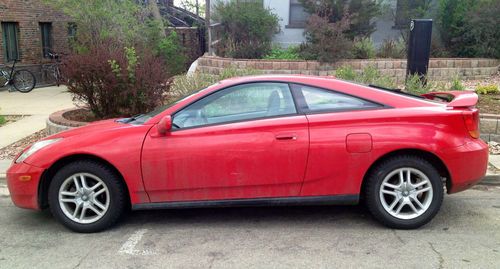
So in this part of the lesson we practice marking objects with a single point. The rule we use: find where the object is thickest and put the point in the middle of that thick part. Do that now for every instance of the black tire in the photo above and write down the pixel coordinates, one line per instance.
(374, 183)
(24, 81)
(117, 195)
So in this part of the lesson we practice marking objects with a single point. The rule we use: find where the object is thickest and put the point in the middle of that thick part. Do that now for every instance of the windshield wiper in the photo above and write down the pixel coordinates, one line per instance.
(130, 119)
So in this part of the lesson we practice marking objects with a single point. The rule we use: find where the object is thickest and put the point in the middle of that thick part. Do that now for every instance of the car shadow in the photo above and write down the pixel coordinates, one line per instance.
(279, 215)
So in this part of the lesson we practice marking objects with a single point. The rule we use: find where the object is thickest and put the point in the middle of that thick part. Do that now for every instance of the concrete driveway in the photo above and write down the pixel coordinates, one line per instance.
(38, 104)
(465, 234)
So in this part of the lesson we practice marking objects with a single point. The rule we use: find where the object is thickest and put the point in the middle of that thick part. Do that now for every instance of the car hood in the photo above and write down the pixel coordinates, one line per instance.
(97, 126)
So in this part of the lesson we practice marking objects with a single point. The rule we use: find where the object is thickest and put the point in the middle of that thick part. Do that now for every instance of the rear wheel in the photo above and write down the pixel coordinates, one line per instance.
(86, 196)
(24, 81)
(404, 192)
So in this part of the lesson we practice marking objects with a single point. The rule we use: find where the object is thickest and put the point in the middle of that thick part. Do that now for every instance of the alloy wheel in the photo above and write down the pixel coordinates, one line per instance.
(406, 193)
(84, 198)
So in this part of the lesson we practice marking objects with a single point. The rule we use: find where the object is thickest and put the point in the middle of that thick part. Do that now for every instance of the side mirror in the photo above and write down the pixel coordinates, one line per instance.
(165, 125)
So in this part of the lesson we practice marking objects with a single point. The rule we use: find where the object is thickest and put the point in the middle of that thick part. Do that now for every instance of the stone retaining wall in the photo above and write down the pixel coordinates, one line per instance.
(490, 127)
(439, 68)
(57, 123)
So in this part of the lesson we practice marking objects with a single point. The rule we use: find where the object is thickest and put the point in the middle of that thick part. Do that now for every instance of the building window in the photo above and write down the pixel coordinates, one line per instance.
(46, 30)
(298, 15)
(10, 40)
(72, 32)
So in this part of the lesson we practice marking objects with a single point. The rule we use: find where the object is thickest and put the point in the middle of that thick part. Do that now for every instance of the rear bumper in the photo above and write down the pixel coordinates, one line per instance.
(467, 164)
(23, 180)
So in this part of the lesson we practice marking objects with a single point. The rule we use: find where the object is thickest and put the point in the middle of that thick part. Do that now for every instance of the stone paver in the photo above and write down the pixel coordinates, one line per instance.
(495, 160)
(39, 103)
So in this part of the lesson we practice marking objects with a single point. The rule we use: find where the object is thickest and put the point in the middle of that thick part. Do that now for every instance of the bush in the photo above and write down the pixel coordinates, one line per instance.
(290, 53)
(325, 41)
(456, 84)
(362, 12)
(346, 73)
(369, 75)
(186, 84)
(469, 28)
(392, 49)
(116, 82)
(247, 29)
(2, 120)
(363, 49)
(482, 35)
(487, 89)
(171, 50)
(415, 85)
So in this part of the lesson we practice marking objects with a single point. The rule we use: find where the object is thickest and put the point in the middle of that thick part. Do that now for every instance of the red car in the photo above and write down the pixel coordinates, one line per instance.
(263, 140)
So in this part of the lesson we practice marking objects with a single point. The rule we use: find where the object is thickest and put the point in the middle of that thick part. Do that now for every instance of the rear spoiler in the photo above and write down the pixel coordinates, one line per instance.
(454, 98)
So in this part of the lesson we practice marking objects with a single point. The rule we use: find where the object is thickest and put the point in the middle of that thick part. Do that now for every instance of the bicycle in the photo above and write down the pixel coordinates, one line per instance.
(22, 80)
(53, 69)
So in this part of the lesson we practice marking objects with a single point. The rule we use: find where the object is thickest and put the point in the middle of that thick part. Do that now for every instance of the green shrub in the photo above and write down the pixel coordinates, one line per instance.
(290, 53)
(487, 89)
(456, 84)
(185, 84)
(469, 28)
(346, 73)
(247, 29)
(326, 41)
(171, 50)
(415, 85)
(369, 75)
(363, 48)
(391, 48)
(2, 120)
(362, 13)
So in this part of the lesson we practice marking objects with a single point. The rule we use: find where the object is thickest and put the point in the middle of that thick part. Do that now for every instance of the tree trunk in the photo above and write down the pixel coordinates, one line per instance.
(155, 11)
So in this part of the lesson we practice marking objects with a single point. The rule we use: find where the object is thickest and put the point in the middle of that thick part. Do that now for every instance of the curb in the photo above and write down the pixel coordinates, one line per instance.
(490, 180)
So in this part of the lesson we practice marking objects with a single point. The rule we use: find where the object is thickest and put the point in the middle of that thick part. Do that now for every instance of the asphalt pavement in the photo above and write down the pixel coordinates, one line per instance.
(465, 234)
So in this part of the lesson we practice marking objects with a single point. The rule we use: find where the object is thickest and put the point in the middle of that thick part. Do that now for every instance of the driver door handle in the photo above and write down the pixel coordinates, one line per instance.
(286, 137)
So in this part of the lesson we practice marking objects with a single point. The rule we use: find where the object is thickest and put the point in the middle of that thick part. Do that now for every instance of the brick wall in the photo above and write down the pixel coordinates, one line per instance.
(28, 14)
(439, 68)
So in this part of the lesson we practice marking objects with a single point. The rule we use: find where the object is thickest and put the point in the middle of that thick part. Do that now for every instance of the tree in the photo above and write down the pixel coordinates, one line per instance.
(361, 14)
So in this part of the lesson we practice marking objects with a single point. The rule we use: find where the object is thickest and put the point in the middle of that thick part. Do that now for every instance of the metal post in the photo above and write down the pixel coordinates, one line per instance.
(419, 47)
(209, 27)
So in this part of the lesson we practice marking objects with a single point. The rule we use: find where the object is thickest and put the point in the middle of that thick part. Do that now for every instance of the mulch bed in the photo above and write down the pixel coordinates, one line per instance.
(81, 114)
(10, 152)
(489, 104)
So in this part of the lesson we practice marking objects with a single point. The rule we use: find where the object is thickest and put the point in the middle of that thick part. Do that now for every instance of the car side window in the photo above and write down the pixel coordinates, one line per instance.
(317, 100)
(241, 102)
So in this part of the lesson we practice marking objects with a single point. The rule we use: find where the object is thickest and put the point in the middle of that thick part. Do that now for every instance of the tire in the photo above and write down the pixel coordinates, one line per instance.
(77, 206)
(24, 81)
(388, 194)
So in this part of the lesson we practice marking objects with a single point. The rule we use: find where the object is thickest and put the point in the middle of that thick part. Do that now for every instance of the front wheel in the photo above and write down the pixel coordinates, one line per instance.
(86, 196)
(404, 192)
(24, 81)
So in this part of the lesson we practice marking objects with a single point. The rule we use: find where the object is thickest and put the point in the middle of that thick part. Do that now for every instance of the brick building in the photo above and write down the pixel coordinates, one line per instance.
(27, 27)
(29, 30)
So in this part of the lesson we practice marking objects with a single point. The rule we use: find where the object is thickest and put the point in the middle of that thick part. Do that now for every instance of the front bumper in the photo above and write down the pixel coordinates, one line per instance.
(23, 180)
(467, 164)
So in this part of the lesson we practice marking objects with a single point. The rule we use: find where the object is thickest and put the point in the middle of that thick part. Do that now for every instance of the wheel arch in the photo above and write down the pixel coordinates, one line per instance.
(48, 174)
(428, 156)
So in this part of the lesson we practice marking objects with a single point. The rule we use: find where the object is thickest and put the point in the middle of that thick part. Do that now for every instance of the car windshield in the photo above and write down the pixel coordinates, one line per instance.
(141, 119)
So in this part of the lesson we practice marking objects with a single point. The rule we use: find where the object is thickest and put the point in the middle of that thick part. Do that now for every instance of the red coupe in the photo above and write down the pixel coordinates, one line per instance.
(263, 140)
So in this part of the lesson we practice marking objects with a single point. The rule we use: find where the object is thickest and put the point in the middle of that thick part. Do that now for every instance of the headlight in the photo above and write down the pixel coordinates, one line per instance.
(35, 147)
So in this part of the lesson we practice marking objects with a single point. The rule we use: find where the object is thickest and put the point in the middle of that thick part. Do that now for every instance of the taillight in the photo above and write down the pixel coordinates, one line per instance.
(471, 120)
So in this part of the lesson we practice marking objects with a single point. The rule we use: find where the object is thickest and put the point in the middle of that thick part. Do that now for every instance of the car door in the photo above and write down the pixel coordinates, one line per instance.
(340, 139)
(244, 141)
